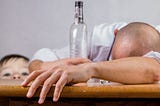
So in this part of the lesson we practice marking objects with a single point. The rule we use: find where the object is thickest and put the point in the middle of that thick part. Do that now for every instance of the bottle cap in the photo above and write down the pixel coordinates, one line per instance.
(78, 3)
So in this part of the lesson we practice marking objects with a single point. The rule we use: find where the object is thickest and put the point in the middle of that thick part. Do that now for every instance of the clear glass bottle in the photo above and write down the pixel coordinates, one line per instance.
(78, 33)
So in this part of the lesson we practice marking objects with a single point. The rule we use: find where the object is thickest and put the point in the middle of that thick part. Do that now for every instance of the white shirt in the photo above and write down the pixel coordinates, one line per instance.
(100, 45)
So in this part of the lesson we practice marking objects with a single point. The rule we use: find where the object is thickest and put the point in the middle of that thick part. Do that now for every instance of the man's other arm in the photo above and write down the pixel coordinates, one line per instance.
(131, 70)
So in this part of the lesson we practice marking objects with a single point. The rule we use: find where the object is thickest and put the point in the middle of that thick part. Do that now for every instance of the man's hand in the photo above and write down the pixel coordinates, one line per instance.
(40, 65)
(60, 73)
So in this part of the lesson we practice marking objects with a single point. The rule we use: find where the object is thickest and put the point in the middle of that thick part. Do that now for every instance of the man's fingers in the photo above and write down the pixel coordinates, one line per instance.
(47, 85)
(31, 77)
(59, 86)
(37, 82)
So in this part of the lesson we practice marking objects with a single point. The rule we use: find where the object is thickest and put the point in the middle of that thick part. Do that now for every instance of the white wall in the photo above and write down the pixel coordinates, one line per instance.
(28, 25)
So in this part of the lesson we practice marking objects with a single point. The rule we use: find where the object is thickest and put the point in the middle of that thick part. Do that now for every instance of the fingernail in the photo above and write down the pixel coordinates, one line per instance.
(23, 83)
(55, 99)
(40, 101)
(28, 94)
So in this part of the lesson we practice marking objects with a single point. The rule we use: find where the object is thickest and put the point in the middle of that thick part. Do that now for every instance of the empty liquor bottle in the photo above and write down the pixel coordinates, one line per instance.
(78, 33)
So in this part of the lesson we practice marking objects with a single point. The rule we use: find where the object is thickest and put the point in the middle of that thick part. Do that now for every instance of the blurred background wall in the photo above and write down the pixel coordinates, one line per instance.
(28, 25)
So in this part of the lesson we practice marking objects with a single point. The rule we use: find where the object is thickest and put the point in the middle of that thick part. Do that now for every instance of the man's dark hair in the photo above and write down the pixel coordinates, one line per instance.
(6, 58)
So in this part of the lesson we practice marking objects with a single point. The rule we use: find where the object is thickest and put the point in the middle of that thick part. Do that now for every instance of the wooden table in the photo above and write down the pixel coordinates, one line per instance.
(13, 94)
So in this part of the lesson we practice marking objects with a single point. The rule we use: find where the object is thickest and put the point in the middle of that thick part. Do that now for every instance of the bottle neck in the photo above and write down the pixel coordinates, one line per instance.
(78, 18)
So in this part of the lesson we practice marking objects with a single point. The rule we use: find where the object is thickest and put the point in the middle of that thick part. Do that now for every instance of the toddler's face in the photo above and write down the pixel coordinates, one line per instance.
(14, 69)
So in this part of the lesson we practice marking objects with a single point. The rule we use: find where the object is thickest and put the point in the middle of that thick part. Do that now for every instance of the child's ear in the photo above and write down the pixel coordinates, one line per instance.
(115, 31)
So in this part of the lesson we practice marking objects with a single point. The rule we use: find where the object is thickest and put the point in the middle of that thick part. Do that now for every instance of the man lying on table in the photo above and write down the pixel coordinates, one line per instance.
(134, 59)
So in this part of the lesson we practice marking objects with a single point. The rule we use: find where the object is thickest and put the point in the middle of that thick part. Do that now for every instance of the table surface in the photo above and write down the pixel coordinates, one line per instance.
(12, 88)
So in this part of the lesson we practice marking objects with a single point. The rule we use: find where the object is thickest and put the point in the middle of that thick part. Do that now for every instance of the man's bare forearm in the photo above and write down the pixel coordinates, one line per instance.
(132, 70)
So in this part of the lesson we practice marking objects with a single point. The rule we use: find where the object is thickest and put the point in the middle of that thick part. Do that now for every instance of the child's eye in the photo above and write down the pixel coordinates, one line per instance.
(7, 74)
(24, 73)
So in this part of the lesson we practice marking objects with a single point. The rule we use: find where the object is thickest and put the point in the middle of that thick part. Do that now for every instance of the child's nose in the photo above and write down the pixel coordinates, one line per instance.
(16, 76)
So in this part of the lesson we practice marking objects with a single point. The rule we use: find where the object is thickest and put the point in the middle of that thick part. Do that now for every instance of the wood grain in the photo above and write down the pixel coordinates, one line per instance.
(14, 89)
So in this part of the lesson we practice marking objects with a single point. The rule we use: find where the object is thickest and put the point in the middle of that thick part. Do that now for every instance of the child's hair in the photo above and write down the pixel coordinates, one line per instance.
(6, 58)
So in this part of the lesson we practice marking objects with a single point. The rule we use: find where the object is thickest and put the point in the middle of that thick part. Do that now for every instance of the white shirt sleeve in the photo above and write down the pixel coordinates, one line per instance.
(46, 54)
(153, 54)
(102, 40)
(158, 28)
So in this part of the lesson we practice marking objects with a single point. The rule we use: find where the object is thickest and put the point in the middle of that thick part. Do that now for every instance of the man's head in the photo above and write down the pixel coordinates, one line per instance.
(135, 39)
(14, 66)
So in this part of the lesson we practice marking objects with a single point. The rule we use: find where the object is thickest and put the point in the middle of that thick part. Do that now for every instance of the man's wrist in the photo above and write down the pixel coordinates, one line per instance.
(91, 70)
